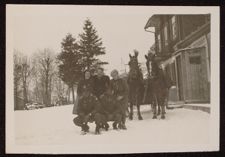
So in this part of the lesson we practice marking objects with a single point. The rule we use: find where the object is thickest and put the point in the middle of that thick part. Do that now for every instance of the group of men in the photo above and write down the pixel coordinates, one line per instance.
(101, 100)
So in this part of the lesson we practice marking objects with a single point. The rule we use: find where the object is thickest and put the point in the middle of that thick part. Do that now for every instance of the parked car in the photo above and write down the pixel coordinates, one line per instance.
(39, 105)
(30, 106)
(33, 106)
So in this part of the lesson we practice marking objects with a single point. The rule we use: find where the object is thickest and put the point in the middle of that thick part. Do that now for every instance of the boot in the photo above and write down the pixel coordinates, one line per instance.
(115, 126)
(123, 127)
(85, 128)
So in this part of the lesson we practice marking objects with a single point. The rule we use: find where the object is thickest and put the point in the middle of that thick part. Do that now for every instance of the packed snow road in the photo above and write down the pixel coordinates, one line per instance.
(54, 126)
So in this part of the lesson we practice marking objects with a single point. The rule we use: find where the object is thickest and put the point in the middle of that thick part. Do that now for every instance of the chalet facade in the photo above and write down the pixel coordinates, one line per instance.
(182, 42)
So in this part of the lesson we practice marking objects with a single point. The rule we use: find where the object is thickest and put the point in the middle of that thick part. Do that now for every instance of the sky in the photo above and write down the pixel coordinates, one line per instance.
(121, 28)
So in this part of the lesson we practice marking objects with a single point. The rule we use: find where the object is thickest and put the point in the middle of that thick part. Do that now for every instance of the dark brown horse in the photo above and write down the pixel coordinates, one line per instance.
(136, 86)
(157, 85)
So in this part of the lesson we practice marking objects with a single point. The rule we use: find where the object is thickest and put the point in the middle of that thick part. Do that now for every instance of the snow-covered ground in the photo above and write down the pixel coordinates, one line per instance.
(54, 126)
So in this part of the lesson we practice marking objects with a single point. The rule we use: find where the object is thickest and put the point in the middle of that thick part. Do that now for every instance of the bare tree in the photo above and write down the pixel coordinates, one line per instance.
(17, 76)
(60, 89)
(36, 80)
(26, 71)
(46, 70)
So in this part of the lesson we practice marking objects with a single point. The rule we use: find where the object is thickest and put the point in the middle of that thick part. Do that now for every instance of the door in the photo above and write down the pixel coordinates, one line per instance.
(197, 82)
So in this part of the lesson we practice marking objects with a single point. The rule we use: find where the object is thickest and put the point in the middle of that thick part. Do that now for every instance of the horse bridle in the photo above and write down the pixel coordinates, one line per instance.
(134, 68)
(150, 67)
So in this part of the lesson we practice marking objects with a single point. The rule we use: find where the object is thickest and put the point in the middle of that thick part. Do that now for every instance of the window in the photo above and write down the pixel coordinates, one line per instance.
(174, 27)
(166, 34)
(159, 42)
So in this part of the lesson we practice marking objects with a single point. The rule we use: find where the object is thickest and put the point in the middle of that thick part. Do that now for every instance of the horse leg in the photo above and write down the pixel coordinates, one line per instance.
(159, 109)
(131, 111)
(162, 104)
(163, 112)
(154, 112)
(139, 113)
(127, 111)
(167, 99)
(157, 105)
(166, 105)
(154, 109)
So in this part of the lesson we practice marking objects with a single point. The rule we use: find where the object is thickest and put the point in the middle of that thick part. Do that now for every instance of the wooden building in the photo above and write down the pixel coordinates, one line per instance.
(182, 42)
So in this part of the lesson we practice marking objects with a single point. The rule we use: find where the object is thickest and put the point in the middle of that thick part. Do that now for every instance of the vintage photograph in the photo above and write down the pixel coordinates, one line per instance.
(111, 79)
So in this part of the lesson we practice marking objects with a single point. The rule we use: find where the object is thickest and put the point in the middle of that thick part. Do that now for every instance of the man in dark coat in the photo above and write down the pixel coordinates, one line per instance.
(88, 111)
(120, 91)
(100, 83)
(110, 110)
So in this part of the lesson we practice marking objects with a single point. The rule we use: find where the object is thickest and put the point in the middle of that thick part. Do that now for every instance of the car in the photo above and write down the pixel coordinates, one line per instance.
(39, 105)
(33, 106)
(26, 106)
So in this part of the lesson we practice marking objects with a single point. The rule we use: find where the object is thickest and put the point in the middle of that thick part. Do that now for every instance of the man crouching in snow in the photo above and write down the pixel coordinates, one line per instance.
(87, 111)
(110, 110)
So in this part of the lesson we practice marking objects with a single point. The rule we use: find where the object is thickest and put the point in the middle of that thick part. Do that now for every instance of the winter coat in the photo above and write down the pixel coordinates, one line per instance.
(109, 104)
(83, 85)
(100, 85)
(88, 105)
(119, 88)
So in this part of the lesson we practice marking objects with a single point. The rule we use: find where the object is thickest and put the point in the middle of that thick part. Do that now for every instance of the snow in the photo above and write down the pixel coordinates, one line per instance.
(54, 126)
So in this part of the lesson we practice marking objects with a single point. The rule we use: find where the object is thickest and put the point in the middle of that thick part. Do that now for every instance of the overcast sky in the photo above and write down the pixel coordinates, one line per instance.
(121, 29)
(33, 27)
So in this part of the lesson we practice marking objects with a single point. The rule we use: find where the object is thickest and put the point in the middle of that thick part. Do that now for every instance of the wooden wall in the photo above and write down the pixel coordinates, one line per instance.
(192, 76)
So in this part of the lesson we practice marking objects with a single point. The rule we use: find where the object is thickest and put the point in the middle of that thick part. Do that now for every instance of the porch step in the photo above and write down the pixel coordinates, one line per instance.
(202, 107)
(194, 106)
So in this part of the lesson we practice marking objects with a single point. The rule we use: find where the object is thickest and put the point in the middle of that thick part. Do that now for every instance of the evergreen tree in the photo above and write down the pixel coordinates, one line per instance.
(90, 46)
(69, 62)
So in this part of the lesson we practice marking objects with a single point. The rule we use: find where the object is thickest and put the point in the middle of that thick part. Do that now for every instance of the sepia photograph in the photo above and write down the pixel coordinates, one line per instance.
(83, 79)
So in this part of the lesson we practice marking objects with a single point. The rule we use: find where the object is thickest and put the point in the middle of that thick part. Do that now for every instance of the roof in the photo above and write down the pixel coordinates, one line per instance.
(153, 21)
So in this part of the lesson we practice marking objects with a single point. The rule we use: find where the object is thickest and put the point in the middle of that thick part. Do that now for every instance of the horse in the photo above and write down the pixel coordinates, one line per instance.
(135, 84)
(157, 85)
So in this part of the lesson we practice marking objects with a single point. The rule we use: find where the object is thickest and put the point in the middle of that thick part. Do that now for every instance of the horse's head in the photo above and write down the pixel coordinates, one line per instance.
(152, 66)
(133, 64)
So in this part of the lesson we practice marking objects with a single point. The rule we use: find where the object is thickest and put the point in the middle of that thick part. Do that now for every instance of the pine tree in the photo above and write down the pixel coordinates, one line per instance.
(69, 62)
(90, 46)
